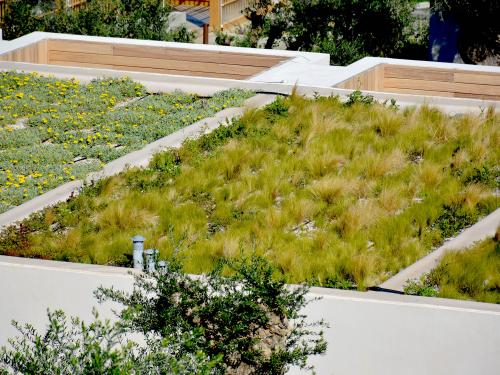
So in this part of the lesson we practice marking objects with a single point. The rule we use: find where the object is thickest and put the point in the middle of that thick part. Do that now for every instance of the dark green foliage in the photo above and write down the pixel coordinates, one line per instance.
(420, 288)
(18, 19)
(485, 175)
(358, 97)
(117, 18)
(224, 317)
(339, 283)
(479, 29)
(69, 346)
(453, 219)
(346, 29)
(277, 109)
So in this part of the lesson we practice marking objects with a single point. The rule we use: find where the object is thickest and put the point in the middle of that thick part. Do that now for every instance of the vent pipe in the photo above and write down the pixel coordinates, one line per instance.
(138, 250)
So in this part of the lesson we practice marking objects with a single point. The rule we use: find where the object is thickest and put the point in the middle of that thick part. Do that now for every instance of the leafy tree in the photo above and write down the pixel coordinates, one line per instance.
(117, 18)
(18, 18)
(346, 29)
(479, 27)
(239, 319)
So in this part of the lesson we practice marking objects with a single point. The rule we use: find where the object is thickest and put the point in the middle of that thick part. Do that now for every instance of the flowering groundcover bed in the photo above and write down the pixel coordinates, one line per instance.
(57, 130)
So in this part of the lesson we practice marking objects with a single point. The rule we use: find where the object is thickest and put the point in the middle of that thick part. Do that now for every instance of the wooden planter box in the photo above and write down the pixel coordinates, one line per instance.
(145, 58)
(427, 81)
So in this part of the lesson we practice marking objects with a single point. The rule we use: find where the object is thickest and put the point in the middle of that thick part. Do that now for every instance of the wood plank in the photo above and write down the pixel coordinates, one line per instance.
(430, 74)
(42, 57)
(197, 55)
(379, 77)
(79, 46)
(165, 52)
(465, 88)
(419, 92)
(481, 79)
(153, 63)
(148, 70)
(478, 96)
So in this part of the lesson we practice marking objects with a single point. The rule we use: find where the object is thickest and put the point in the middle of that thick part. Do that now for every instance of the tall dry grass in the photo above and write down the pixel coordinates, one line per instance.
(326, 192)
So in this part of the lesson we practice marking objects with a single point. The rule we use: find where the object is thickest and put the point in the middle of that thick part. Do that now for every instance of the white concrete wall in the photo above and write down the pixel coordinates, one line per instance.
(371, 333)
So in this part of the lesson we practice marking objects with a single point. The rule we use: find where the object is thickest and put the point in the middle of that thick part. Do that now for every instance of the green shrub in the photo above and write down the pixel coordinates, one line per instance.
(240, 318)
(358, 97)
(228, 317)
(70, 346)
(115, 18)
(420, 288)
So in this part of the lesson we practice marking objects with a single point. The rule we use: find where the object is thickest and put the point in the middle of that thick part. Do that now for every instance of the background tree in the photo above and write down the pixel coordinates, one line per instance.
(136, 19)
(479, 28)
(346, 29)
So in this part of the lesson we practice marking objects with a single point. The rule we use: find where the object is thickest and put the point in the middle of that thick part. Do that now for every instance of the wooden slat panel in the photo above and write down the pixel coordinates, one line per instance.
(197, 56)
(420, 92)
(245, 59)
(78, 46)
(391, 71)
(42, 52)
(153, 63)
(148, 70)
(465, 88)
(478, 96)
(371, 80)
(481, 79)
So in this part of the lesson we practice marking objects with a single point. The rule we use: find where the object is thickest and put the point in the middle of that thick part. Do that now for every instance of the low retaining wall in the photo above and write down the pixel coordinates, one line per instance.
(370, 333)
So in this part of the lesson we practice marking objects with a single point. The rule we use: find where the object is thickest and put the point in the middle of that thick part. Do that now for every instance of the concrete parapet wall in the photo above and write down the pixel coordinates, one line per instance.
(370, 333)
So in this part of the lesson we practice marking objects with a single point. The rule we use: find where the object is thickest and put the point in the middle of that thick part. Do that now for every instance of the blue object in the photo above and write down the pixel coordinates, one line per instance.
(443, 37)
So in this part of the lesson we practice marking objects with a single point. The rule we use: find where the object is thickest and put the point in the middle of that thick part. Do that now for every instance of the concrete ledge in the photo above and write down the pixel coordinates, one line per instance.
(370, 333)
(208, 86)
(483, 229)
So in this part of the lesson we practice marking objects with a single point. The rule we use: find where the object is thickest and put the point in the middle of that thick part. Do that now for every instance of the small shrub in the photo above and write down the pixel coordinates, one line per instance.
(420, 288)
(453, 219)
(485, 175)
(358, 97)
(70, 346)
(277, 109)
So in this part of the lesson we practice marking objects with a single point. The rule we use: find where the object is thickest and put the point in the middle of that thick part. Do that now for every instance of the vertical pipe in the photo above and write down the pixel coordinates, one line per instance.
(162, 265)
(151, 255)
(138, 249)
(205, 33)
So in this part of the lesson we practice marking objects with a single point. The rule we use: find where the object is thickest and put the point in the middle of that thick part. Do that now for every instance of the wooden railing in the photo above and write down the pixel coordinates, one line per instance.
(223, 12)
(233, 9)
(204, 3)
(75, 4)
